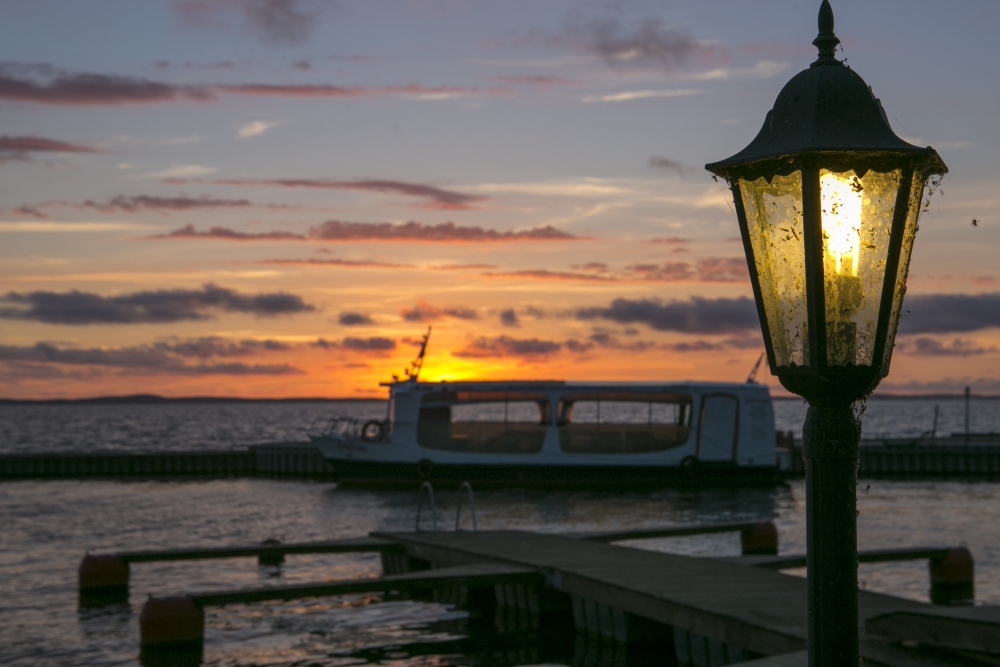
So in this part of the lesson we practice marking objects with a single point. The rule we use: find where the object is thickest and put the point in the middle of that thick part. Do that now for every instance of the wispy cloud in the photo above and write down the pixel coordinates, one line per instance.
(630, 95)
(19, 148)
(505, 346)
(44, 359)
(182, 171)
(148, 307)
(44, 84)
(699, 315)
(65, 226)
(425, 312)
(440, 198)
(336, 230)
(145, 202)
(649, 43)
(255, 128)
(279, 22)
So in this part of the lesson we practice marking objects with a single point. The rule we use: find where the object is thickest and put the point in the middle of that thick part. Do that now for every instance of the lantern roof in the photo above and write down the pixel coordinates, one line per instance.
(827, 108)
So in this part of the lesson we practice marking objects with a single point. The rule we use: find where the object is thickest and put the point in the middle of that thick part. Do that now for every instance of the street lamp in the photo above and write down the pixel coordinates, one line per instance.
(827, 198)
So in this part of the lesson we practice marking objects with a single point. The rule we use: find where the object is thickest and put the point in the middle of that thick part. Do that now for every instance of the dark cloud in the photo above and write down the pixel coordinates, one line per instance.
(666, 164)
(439, 197)
(158, 358)
(505, 346)
(671, 240)
(147, 307)
(276, 21)
(425, 312)
(373, 344)
(189, 232)
(20, 148)
(545, 274)
(45, 85)
(930, 347)
(649, 43)
(215, 346)
(349, 319)
(136, 203)
(943, 313)
(699, 315)
(508, 318)
(448, 232)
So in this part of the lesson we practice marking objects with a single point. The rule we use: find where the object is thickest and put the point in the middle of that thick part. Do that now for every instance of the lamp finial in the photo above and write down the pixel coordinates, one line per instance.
(826, 41)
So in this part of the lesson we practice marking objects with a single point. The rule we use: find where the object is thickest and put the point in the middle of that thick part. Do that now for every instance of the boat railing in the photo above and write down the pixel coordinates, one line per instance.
(426, 486)
(343, 428)
(465, 486)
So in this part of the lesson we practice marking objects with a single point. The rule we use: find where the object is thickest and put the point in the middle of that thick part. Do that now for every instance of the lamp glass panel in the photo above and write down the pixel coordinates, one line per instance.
(774, 222)
(909, 234)
(856, 220)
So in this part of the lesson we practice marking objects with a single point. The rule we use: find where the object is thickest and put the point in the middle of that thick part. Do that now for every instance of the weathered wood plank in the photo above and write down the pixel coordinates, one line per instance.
(663, 531)
(480, 574)
(869, 556)
(353, 545)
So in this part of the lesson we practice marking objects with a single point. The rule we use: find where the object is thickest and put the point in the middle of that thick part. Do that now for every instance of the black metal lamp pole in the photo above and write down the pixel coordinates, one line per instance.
(827, 198)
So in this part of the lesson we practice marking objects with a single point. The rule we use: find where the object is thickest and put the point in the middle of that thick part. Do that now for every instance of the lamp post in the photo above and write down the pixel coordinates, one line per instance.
(827, 198)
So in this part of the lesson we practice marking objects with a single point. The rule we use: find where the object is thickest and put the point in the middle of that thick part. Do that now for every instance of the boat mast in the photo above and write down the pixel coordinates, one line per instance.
(413, 372)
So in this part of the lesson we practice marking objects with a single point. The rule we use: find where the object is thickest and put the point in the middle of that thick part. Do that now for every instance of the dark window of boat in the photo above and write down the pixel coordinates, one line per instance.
(623, 422)
(484, 422)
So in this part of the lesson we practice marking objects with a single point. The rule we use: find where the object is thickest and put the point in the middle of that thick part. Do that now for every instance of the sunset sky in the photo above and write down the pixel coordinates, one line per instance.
(276, 198)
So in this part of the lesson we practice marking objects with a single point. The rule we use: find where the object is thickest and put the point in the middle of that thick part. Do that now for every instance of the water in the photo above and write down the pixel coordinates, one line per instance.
(49, 525)
(213, 426)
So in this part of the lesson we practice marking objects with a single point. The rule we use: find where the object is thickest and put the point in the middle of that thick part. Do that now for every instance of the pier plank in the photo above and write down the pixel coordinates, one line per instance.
(791, 561)
(352, 545)
(753, 608)
(480, 574)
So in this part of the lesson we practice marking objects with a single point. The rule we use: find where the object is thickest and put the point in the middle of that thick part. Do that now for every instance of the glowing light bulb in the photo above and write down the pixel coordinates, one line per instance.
(841, 204)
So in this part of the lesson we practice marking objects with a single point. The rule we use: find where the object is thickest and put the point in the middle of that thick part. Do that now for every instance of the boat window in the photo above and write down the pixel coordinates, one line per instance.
(623, 422)
(484, 422)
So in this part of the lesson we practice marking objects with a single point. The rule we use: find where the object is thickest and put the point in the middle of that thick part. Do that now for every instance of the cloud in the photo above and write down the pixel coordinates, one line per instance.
(699, 315)
(505, 346)
(60, 227)
(630, 95)
(350, 319)
(19, 148)
(535, 80)
(425, 312)
(373, 344)
(181, 171)
(149, 307)
(707, 269)
(666, 164)
(508, 318)
(411, 90)
(141, 202)
(336, 230)
(43, 84)
(255, 128)
(439, 198)
(942, 313)
(348, 263)
(281, 22)
(649, 43)
(417, 231)
(158, 358)
(930, 347)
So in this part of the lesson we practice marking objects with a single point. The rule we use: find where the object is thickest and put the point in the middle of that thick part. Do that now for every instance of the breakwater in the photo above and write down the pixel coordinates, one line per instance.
(956, 457)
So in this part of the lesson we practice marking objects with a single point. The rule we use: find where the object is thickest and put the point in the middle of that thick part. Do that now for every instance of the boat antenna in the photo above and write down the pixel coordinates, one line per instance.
(413, 372)
(753, 372)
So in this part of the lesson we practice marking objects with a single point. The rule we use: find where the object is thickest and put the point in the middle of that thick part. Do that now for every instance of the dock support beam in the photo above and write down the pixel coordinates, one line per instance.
(831, 438)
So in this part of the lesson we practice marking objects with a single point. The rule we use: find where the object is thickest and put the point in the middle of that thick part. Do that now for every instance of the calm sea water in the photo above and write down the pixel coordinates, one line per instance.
(49, 525)
(194, 426)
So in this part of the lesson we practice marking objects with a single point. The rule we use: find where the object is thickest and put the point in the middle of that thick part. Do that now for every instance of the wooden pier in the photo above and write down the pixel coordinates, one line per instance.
(699, 612)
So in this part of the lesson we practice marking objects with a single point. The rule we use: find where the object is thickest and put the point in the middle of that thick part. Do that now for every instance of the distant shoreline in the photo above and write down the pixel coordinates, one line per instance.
(152, 399)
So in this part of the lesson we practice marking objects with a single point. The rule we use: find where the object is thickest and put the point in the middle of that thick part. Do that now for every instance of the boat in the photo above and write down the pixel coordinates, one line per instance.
(553, 434)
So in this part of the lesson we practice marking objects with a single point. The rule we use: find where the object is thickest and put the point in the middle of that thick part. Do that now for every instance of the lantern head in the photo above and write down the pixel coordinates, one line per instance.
(827, 198)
